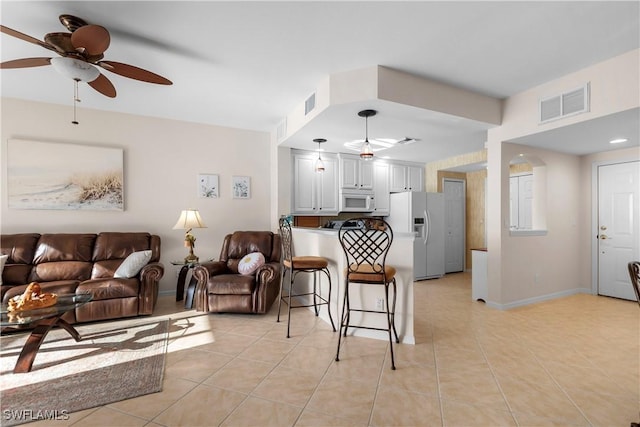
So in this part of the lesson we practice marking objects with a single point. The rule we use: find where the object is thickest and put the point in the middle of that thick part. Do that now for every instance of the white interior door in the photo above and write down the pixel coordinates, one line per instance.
(454, 210)
(618, 227)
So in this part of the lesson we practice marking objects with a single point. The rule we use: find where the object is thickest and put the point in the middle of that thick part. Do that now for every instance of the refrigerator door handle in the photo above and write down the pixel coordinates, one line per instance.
(426, 226)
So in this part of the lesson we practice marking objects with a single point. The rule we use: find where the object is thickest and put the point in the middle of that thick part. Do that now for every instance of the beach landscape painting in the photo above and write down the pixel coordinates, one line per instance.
(51, 175)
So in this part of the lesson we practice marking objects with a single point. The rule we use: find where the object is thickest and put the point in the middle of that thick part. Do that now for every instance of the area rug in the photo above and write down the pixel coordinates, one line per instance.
(109, 364)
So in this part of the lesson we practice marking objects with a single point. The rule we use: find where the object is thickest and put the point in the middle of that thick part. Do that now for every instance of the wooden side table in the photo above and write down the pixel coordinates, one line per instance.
(182, 277)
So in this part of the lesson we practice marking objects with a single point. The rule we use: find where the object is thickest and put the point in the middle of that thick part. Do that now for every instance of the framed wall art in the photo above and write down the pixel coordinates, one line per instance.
(241, 187)
(52, 175)
(208, 186)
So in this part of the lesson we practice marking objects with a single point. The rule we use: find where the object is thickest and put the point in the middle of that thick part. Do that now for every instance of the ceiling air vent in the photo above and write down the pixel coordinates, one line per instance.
(568, 103)
(310, 104)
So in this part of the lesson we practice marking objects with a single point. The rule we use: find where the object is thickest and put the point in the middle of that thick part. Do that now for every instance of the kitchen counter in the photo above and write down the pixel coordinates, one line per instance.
(324, 242)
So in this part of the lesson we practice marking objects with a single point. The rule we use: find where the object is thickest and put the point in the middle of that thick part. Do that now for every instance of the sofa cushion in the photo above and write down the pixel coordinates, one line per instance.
(119, 245)
(228, 284)
(3, 260)
(245, 242)
(242, 243)
(19, 247)
(114, 308)
(61, 270)
(64, 247)
(132, 264)
(16, 274)
(109, 288)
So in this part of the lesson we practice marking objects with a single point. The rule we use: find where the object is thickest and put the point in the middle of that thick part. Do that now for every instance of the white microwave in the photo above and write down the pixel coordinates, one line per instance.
(356, 202)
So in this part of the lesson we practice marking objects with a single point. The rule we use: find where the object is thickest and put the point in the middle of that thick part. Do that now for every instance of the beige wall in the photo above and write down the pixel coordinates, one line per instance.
(538, 266)
(527, 269)
(614, 87)
(162, 159)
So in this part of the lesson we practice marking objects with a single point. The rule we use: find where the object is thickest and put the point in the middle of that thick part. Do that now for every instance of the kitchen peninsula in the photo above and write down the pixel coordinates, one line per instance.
(324, 242)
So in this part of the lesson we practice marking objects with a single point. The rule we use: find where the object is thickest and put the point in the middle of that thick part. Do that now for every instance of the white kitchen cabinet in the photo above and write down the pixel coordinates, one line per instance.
(381, 188)
(355, 173)
(314, 193)
(406, 177)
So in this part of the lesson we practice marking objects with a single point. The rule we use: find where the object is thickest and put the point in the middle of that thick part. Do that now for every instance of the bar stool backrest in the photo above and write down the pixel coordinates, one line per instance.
(634, 274)
(287, 241)
(366, 248)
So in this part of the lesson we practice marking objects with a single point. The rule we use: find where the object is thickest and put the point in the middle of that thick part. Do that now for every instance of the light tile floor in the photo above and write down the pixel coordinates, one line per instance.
(568, 362)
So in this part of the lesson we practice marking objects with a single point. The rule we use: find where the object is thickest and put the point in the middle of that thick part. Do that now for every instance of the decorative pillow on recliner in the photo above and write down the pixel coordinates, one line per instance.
(250, 263)
(132, 264)
(3, 259)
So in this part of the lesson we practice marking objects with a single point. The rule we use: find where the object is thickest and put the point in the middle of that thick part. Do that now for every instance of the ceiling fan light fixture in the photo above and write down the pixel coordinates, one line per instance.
(366, 152)
(319, 165)
(75, 69)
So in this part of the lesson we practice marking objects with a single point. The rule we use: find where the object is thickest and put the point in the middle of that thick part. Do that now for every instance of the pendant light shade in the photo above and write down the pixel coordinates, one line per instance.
(319, 165)
(366, 152)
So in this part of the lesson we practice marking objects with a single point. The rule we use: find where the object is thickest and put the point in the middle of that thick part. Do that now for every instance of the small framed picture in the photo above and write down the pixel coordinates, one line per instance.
(241, 187)
(208, 186)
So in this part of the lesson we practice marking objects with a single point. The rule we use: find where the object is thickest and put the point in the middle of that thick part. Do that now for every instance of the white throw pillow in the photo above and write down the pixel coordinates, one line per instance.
(132, 264)
(250, 263)
(3, 260)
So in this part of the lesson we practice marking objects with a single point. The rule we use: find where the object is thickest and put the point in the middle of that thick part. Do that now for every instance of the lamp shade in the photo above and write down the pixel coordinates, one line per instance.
(189, 218)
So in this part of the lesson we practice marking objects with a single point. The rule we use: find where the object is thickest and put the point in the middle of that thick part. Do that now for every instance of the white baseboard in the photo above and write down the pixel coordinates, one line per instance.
(533, 300)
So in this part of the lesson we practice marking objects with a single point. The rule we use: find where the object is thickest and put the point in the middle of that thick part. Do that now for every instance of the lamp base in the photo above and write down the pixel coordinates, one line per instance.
(191, 258)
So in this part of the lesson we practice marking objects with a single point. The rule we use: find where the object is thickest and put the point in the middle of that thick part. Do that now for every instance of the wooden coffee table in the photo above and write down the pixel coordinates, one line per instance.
(42, 320)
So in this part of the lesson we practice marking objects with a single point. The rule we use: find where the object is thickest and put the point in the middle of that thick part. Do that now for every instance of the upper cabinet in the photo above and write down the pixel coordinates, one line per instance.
(406, 177)
(314, 193)
(355, 173)
(381, 198)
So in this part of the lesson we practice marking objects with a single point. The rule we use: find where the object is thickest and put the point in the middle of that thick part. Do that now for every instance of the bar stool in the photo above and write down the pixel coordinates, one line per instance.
(634, 274)
(301, 264)
(366, 251)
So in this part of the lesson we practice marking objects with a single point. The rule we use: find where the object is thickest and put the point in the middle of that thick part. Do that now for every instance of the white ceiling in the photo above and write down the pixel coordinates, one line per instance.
(248, 64)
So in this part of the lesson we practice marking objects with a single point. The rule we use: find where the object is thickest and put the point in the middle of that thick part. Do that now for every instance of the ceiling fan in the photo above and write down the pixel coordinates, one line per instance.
(81, 51)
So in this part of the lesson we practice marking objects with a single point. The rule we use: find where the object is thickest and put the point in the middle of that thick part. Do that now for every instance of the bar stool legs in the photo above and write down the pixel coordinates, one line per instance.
(318, 299)
(389, 312)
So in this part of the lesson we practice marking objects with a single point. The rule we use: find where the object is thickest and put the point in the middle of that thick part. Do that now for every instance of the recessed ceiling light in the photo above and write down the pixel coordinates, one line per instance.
(618, 141)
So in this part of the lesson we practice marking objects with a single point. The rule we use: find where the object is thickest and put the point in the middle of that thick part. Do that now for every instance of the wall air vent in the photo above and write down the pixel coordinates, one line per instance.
(566, 104)
(281, 132)
(310, 104)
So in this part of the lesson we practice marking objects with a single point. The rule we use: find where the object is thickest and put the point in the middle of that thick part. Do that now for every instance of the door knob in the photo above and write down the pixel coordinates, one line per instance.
(602, 227)
(603, 237)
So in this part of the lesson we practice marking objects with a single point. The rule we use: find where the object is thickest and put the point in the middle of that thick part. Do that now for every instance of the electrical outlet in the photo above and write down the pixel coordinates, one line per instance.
(379, 303)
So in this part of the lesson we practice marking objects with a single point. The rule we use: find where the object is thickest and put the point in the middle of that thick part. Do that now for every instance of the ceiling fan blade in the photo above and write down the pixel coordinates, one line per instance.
(25, 37)
(103, 85)
(133, 72)
(91, 39)
(26, 63)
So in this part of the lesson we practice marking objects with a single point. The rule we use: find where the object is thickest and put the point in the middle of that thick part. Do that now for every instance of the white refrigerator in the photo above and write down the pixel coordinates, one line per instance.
(423, 214)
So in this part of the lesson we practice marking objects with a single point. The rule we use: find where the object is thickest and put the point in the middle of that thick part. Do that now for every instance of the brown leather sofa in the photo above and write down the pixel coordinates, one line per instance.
(80, 263)
(222, 289)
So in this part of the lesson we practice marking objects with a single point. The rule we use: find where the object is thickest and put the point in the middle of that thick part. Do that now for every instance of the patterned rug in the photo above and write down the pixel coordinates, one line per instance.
(109, 364)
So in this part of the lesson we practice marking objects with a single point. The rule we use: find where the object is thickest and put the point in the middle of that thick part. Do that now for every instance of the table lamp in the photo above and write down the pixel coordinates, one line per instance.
(189, 219)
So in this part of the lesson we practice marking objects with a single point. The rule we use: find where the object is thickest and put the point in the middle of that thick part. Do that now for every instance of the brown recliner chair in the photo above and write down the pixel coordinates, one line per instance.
(222, 289)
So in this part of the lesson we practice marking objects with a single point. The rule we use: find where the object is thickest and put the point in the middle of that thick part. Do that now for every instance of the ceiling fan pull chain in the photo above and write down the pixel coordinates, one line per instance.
(76, 99)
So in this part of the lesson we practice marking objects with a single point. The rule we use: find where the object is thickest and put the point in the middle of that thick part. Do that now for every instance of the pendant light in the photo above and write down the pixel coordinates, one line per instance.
(319, 166)
(366, 152)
